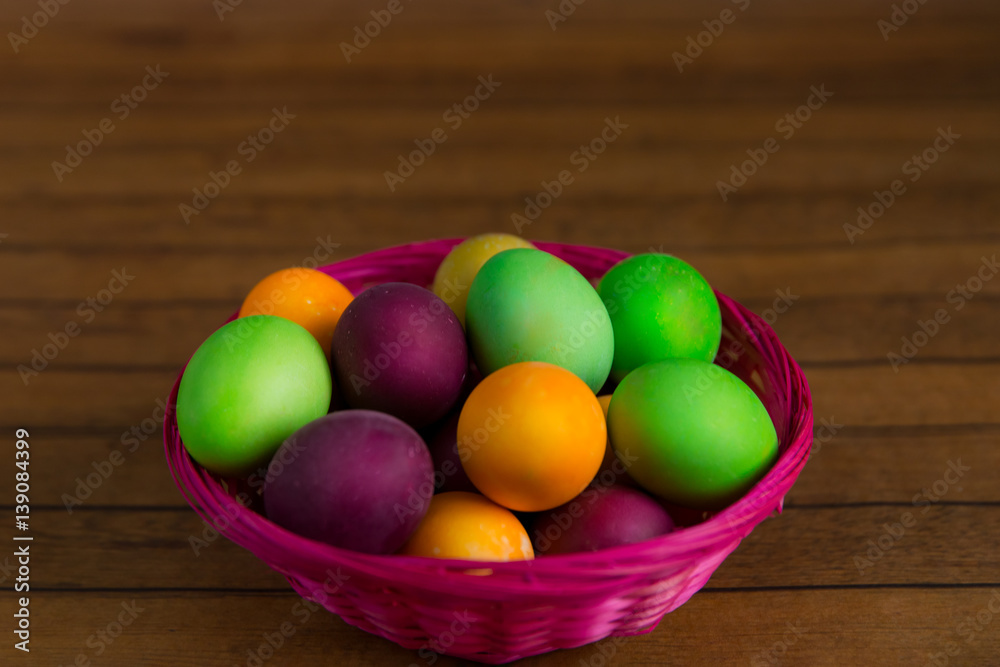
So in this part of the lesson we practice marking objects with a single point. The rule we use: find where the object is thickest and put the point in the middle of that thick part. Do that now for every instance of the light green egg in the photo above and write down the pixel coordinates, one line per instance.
(528, 305)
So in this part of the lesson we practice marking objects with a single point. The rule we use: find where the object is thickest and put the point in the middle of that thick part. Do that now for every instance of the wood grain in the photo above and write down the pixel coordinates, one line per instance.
(884, 439)
(828, 627)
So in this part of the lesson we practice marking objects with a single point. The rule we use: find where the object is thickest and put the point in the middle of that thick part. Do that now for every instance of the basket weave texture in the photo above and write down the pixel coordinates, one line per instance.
(499, 612)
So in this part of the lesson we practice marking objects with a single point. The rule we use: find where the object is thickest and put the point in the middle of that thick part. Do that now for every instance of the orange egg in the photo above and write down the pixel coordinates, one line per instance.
(531, 436)
(468, 526)
(308, 297)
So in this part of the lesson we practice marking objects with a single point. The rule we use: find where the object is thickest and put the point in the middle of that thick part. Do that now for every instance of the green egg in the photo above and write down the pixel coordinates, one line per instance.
(698, 435)
(661, 308)
(528, 305)
(249, 386)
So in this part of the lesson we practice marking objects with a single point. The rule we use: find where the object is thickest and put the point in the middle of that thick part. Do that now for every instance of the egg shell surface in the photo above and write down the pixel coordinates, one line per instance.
(460, 266)
(531, 436)
(249, 386)
(528, 305)
(399, 349)
(660, 308)
(600, 518)
(468, 526)
(701, 437)
(356, 479)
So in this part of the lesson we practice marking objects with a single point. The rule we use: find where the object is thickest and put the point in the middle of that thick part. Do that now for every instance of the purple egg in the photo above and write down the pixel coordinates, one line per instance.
(355, 479)
(400, 349)
(599, 518)
(449, 475)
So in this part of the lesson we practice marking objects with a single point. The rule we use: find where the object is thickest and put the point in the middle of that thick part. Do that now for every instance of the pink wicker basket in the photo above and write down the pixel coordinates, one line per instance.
(513, 610)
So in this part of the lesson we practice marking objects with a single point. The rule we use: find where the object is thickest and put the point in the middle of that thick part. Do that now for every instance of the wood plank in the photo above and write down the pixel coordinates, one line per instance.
(904, 270)
(813, 329)
(925, 394)
(604, 50)
(689, 222)
(347, 131)
(896, 465)
(831, 627)
(122, 12)
(648, 44)
(501, 172)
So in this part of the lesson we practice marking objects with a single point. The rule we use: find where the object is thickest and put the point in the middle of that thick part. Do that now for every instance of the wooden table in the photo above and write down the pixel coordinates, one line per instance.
(100, 244)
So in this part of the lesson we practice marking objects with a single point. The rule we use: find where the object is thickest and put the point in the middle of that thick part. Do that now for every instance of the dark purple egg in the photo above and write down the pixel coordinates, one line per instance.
(400, 349)
(599, 518)
(449, 475)
(355, 479)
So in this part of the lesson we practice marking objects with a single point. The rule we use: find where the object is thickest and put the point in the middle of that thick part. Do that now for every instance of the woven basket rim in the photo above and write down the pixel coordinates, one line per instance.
(288, 552)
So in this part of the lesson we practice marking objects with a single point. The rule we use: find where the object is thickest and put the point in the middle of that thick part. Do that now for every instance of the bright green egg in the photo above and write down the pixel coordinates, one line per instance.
(249, 386)
(698, 435)
(528, 305)
(661, 308)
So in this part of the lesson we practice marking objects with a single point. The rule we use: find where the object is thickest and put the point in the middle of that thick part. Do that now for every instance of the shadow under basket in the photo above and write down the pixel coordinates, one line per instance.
(499, 612)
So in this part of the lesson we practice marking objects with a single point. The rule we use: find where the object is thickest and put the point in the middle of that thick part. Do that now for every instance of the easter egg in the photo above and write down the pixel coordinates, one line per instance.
(701, 437)
(531, 436)
(598, 519)
(249, 386)
(356, 479)
(528, 305)
(399, 349)
(305, 296)
(449, 475)
(661, 308)
(462, 263)
(614, 469)
(467, 526)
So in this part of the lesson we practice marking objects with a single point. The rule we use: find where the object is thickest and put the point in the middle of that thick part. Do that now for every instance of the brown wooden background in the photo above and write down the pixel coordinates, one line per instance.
(655, 186)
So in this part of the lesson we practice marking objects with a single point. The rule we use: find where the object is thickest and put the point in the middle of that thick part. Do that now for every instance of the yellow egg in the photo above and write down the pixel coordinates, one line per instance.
(460, 266)
(467, 526)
